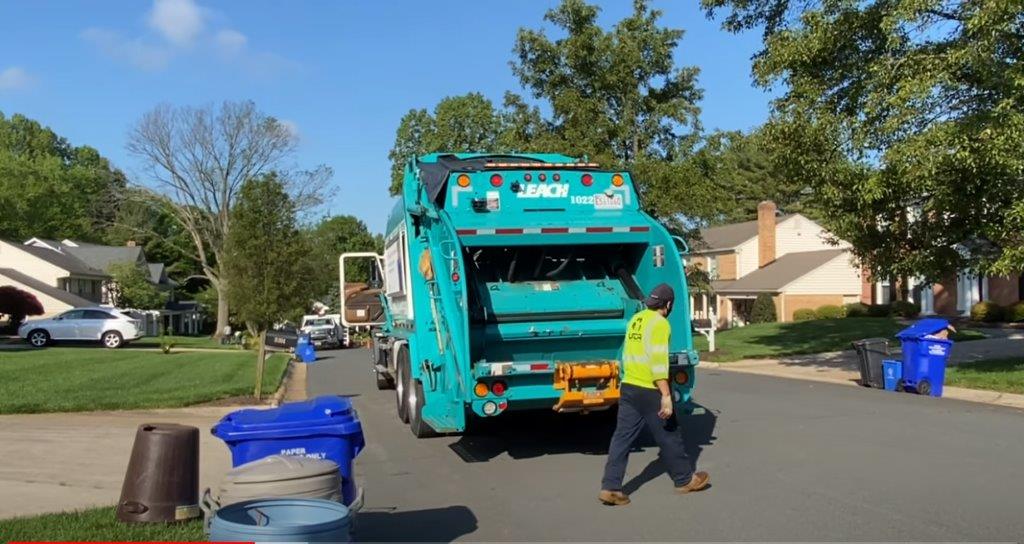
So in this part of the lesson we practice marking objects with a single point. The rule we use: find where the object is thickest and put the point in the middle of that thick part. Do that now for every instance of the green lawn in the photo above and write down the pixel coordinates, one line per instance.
(766, 340)
(72, 379)
(183, 342)
(1006, 375)
(96, 524)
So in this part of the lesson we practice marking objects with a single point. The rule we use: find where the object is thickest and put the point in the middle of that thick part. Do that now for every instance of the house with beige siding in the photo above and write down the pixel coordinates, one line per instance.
(788, 257)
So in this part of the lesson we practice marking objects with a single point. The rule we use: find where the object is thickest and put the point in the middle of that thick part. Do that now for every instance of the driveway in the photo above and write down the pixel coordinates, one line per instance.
(790, 460)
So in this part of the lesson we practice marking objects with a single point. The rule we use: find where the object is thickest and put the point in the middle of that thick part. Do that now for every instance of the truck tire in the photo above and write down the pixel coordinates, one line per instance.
(383, 383)
(420, 428)
(402, 383)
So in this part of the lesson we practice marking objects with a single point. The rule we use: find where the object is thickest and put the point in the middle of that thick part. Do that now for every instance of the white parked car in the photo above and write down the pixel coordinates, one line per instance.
(107, 325)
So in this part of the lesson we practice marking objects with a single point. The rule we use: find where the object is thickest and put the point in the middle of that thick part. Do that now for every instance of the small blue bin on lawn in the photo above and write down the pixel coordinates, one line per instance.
(925, 356)
(304, 350)
(322, 428)
(892, 373)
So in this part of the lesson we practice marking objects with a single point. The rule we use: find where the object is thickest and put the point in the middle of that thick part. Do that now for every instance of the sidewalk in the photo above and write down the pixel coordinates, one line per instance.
(55, 462)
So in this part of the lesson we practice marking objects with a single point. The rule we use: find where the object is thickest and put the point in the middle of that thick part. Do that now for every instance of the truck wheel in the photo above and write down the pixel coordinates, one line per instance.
(383, 383)
(420, 428)
(402, 384)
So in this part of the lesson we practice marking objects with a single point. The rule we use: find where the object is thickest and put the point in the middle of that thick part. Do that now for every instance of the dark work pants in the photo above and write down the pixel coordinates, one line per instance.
(638, 407)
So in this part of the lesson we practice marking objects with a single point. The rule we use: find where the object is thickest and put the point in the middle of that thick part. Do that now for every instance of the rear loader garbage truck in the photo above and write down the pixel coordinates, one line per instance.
(508, 284)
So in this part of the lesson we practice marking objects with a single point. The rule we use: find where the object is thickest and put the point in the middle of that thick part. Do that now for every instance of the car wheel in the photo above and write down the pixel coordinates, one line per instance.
(112, 339)
(402, 383)
(38, 338)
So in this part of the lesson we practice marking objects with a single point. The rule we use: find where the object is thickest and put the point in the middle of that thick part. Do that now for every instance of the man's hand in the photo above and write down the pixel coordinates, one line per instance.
(666, 407)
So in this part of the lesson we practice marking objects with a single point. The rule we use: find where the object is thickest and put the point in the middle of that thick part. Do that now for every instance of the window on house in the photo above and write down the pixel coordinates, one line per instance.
(713, 267)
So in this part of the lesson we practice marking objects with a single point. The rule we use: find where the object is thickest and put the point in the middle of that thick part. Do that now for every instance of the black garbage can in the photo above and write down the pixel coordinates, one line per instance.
(870, 353)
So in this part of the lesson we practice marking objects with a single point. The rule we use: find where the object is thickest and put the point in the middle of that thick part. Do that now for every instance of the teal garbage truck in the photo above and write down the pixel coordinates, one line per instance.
(506, 284)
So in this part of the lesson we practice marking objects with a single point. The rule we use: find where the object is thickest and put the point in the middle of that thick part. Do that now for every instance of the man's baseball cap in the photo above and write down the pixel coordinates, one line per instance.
(660, 296)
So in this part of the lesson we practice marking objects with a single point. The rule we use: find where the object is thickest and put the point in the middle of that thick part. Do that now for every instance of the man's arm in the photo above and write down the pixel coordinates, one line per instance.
(659, 367)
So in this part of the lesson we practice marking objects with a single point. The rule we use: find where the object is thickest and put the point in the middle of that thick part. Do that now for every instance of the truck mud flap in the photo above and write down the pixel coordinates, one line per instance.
(586, 386)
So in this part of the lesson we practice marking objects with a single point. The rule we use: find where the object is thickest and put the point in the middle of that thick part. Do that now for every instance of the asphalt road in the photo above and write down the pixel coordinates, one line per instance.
(789, 460)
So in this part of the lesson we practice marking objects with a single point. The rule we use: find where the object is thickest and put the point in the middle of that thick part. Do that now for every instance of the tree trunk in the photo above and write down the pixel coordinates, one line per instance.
(261, 354)
(222, 310)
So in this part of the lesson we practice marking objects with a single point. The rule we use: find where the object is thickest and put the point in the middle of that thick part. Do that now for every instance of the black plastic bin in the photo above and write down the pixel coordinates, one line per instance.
(870, 353)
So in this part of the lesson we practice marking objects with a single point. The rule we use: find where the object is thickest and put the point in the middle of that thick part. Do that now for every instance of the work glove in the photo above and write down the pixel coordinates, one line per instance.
(666, 407)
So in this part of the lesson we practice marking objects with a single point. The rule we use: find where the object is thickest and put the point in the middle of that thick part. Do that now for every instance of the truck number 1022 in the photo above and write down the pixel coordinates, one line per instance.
(582, 199)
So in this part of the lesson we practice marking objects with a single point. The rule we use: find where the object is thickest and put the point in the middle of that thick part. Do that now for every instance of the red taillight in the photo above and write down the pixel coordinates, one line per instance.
(455, 277)
(541, 366)
(527, 177)
(496, 180)
(542, 177)
(555, 176)
(587, 180)
(498, 388)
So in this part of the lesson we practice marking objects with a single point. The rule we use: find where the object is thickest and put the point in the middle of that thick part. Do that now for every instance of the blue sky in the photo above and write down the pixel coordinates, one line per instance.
(341, 72)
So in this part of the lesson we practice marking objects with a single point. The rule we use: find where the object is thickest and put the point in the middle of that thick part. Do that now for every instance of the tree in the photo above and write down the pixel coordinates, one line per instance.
(130, 288)
(763, 310)
(328, 239)
(200, 157)
(149, 221)
(467, 123)
(265, 260)
(905, 117)
(18, 304)
(51, 189)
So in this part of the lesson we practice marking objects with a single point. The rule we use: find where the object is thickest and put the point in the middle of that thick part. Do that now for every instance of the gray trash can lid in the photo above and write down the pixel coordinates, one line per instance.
(277, 468)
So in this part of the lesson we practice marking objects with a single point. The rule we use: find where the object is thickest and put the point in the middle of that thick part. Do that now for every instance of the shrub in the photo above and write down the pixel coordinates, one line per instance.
(763, 310)
(879, 310)
(987, 311)
(856, 309)
(830, 311)
(18, 305)
(903, 308)
(804, 314)
(1015, 313)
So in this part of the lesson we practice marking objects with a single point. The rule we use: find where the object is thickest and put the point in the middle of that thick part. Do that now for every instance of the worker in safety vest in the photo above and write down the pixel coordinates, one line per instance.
(647, 401)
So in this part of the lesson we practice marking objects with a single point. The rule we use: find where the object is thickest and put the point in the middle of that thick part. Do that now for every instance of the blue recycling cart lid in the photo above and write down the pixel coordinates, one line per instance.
(923, 328)
(328, 414)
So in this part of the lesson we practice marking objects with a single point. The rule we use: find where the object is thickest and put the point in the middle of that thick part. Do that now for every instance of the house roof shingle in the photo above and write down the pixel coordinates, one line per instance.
(782, 272)
(63, 260)
(49, 290)
(101, 257)
(729, 236)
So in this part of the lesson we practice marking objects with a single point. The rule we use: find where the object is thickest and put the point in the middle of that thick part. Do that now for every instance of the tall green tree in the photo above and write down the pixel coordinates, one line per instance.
(467, 123)
(328, 239)
(130, 288)
(905, 117)
(148, 220)
(50, 188)
(265, 260)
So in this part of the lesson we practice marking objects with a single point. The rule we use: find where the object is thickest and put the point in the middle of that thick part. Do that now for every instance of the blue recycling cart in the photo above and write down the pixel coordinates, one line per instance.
(925, 356)
(304, 350)
(324, 427)
(892, 374)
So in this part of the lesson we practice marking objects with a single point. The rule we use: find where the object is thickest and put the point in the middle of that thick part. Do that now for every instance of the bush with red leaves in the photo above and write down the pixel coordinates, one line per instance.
(17, 304)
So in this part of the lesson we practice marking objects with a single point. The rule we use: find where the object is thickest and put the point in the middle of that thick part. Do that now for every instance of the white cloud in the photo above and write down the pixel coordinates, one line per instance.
(179, 21)
(231, 42)
(135, 52)
(15, 79)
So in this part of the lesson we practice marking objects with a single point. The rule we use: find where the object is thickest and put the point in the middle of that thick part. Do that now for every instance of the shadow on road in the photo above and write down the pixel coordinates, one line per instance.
(432, 525)
(526, 435)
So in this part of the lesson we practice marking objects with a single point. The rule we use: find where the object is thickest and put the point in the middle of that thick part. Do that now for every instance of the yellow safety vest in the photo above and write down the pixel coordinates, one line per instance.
(645, 351)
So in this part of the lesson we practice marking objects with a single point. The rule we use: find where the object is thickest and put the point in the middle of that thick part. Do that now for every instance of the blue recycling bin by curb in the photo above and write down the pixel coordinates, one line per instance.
(322, 428)
(925, 356)
(892, 374)
(282, 520)
(304, 350)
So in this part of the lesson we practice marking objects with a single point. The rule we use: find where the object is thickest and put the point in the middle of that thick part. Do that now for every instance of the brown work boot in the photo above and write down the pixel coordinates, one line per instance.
(699, 482)
(613, 498)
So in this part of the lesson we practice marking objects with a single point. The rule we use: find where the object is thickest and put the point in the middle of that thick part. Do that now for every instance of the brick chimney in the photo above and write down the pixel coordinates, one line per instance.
(130, 243)
(765, 233)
